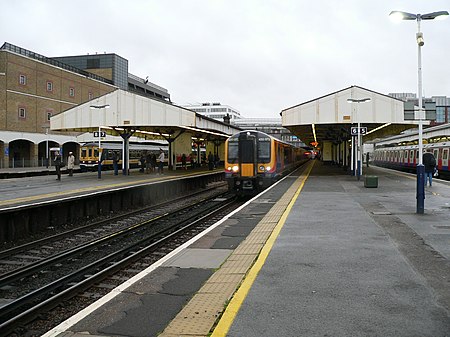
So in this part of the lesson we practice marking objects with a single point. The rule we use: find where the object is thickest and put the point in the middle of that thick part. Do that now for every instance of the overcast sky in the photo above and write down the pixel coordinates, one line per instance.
(257, 56)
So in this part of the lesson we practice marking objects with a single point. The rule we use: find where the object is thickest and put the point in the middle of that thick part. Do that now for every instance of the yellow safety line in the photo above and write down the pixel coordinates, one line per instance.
(233, 307)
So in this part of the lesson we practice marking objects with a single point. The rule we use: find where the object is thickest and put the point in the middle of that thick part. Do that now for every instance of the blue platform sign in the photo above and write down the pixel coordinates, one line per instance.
(6, 151)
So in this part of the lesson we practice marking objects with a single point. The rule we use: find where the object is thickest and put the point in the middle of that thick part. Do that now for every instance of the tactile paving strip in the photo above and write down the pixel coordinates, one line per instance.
(198, 317)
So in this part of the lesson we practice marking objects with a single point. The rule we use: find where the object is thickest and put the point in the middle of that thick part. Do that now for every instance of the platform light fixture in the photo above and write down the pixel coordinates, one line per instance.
(314, 132)
(399, 16)
(378, 128)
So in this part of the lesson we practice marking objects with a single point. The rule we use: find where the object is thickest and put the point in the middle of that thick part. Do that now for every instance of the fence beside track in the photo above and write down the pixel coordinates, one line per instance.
(18, 222)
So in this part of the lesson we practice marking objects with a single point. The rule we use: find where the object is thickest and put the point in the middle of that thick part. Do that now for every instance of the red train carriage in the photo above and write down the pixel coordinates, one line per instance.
(405, 158)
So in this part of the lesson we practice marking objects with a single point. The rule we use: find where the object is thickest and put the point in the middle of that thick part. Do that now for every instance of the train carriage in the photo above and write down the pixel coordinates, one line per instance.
(89, 154)
(405, 158)
(254, 160)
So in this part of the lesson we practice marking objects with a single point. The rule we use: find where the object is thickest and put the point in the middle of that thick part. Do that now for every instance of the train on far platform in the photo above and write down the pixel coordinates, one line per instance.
(89, 154)
(405, 158)
(254, 160)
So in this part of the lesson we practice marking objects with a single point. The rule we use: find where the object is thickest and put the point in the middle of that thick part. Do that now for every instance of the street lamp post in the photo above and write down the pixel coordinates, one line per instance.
(358, 146)
(99, 164)
(46, 147)
(46, 127)
(398, 16)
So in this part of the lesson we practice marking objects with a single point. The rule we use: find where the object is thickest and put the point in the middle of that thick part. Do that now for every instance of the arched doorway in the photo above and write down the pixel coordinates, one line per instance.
(20, 153)
(71, 147)
(44, 156)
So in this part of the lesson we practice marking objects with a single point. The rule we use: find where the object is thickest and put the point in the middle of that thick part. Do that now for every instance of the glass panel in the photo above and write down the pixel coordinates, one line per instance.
(247, 151)
(233, 152)
(264, 152)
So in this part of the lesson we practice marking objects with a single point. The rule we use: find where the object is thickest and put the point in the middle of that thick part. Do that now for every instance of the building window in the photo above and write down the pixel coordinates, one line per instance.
(440, 114)
(50, 86)
(49, 114)
(72, 92)
(22, 79)
(22, 112)
(93, 63)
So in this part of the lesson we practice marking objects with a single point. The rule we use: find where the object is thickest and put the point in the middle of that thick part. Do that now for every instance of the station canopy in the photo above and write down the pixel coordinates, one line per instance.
(331, 117)
(121, 112)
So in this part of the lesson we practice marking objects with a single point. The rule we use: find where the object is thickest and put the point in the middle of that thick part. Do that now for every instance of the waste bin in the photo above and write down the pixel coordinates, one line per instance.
(370, 181)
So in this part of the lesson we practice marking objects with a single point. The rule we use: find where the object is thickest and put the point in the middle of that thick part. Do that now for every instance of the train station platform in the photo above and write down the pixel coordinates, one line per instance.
(319, 254)
(32, 188)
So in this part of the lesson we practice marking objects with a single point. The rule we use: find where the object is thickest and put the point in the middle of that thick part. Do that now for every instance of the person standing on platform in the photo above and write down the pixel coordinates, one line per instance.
(430, 163)
(210, 161)
(161, 161)
(70, 163)
(142, 161)
(183, 161)
(148, 162)
(57, 161)
(115, 160)
(153, 162)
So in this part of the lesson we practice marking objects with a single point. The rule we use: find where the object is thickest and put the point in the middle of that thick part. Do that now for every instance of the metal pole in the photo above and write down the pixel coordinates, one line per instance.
(358, 168)
(46, 147)
(420, 195)
(352, 159)
(99, 153)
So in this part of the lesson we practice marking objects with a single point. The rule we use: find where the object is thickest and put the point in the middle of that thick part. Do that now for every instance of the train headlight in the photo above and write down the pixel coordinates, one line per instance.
(235, 168)
(268, 168)
(261, 168)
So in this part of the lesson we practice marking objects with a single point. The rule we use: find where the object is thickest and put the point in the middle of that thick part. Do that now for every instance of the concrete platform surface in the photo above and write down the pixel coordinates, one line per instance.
(354, 261)
(317, 255)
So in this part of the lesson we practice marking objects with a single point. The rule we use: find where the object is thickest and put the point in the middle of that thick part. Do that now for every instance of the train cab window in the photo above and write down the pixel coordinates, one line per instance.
(233, 150)
(83, 153)
(264, 150)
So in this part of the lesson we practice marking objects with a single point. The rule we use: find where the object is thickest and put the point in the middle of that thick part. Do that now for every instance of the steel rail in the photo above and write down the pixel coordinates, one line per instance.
(28, 314)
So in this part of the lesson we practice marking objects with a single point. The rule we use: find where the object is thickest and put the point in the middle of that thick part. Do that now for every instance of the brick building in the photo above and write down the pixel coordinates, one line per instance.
(34, 87)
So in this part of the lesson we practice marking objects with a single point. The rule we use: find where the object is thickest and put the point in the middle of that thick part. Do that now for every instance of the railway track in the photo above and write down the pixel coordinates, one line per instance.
(91, 269)
(31, 253)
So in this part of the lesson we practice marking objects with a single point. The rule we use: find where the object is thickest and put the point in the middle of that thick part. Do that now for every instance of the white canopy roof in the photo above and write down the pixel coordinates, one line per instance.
(330, 117)
(121, 110)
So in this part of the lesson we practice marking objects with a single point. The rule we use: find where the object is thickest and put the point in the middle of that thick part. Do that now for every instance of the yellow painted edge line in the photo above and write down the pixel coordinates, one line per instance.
(233, 307)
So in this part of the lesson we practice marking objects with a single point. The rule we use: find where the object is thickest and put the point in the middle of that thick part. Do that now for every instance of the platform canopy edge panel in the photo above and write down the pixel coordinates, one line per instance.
(330, 117)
